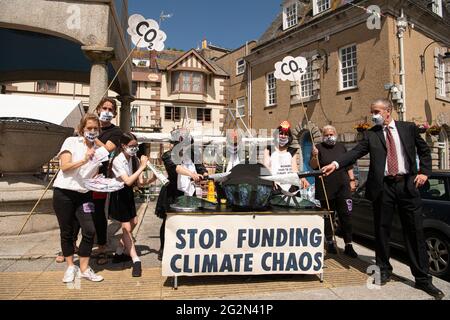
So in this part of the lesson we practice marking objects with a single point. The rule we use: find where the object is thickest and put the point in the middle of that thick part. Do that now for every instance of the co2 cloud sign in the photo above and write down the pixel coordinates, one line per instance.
(145, 33)
(291, 68)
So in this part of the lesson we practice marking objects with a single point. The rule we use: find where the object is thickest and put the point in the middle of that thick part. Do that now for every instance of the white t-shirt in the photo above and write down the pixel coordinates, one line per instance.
(121, 166)
(74, 179)
(281, 163)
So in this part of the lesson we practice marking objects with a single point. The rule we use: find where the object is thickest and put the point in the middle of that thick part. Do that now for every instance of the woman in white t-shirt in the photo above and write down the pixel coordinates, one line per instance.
(72, 202)
(128, 169)
(284, 159)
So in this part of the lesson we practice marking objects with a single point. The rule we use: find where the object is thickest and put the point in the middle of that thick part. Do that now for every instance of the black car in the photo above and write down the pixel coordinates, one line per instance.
(436, 199)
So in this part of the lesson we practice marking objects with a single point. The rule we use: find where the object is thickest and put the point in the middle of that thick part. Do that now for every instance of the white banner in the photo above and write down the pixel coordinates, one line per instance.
(243, 244)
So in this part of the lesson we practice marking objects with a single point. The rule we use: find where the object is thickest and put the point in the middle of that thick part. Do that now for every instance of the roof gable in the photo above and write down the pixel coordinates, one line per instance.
(192, 60)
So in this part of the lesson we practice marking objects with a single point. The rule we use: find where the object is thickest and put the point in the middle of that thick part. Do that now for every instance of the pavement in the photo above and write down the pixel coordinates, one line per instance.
(28, 271)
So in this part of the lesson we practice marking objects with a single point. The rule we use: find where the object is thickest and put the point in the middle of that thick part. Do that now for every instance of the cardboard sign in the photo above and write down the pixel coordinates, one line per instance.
(243, 244)
(290, 68)
(145, 33)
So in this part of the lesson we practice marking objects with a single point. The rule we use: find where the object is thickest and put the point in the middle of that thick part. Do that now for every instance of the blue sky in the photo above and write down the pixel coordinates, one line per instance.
(224, 23)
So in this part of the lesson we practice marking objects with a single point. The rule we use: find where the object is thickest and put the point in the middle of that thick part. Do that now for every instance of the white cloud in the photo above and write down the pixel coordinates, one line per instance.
(145, 33)
(290, 68)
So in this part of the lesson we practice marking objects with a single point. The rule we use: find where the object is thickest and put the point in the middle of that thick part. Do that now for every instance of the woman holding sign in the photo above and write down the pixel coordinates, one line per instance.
(127, 168)
(72, 202)
(339, 186)
(284, 159)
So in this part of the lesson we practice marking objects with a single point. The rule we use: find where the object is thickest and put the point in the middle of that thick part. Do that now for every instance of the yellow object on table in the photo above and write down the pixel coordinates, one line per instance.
(211, 191)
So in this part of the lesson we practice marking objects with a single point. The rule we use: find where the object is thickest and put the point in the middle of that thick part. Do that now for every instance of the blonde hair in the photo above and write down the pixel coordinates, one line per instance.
(85, 119)
(329, 127)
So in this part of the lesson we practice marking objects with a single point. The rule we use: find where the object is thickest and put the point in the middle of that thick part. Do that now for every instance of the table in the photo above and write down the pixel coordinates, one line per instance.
(225, 242)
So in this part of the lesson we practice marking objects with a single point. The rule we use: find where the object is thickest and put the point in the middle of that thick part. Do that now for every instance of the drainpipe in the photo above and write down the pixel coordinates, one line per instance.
(402, 24)
(249, 88)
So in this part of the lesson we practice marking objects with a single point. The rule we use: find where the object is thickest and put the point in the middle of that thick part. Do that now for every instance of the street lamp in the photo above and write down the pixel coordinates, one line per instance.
(422, 57)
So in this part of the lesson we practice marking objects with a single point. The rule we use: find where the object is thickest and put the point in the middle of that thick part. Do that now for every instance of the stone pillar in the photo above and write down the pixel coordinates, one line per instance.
(125, 113)
(99, 57)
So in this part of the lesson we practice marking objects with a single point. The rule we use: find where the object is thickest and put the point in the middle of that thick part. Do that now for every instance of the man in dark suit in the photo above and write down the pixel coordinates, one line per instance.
(393, 182)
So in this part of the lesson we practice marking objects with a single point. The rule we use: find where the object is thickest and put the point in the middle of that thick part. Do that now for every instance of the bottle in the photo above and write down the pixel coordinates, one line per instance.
(211, 191)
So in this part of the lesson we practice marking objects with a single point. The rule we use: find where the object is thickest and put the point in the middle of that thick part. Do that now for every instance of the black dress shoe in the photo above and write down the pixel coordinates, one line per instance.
(331, 248)
(431, 290)
(384, 278)
(349, 251)
(137, 269)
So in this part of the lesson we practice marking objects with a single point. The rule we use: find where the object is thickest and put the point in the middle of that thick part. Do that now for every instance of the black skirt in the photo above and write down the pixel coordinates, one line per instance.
(121, 205)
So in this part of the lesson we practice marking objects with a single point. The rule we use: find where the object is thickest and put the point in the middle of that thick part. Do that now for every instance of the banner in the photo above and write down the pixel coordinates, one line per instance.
(243, 244)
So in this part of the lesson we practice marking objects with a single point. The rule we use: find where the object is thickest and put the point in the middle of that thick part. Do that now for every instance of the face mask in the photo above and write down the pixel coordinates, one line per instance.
(106, 116)
(91, 135)
(378, 119)
(232, 149)
(331, 140)
(131, 151)
(283, 141)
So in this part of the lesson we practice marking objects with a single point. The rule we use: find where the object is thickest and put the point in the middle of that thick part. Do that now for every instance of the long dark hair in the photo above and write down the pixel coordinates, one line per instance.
(124, 140)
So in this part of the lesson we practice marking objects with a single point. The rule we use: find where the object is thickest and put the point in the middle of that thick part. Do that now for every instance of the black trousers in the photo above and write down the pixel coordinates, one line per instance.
(100, 221)
(73, 208)
(343, 210)
(396, 195)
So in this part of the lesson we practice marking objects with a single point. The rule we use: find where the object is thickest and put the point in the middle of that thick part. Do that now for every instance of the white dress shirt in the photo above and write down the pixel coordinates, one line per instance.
(401, 155)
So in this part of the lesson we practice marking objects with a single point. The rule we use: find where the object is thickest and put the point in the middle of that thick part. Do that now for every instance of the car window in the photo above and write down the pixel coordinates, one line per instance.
(434, 189)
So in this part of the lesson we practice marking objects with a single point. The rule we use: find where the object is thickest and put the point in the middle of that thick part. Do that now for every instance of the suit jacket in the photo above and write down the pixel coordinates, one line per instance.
(375, 144)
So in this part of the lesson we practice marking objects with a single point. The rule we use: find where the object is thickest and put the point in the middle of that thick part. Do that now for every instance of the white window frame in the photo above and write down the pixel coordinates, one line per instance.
(240, 106)
(240, 66)
(134, 116)
(441, 77)
(271, 89)
(320, 6)
(290, 15)
(436, 6)
(343, 84)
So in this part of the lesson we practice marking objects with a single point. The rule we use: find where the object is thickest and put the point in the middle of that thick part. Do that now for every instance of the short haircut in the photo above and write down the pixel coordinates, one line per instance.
(106, 99)
(329, 127)
(386, 102)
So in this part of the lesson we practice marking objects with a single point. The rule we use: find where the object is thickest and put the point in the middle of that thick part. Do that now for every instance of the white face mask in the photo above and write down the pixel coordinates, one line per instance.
(131, 151)
(283, 141)
(91, 135)
(331, 140)
(106, 116)
(377, 119)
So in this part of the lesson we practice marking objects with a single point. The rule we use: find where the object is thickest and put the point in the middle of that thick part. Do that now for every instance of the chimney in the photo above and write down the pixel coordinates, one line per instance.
(153, 59)
(205, 44)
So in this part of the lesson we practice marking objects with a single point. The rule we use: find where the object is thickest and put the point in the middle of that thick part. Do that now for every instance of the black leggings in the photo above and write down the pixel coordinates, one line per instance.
(162, 232)
(344, 211)
(72, 207)
(100, 221)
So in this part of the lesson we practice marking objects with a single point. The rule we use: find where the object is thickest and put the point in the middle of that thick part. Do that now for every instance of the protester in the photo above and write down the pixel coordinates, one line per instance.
(338, 186)
(72, 202)
(128, 169)
(183, 173)
(110, 138)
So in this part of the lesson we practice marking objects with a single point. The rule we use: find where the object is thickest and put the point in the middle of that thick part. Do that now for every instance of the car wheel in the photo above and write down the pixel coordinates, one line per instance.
(438, 247)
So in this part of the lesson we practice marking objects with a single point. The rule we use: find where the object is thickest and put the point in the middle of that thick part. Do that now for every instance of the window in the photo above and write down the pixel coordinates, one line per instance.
(434, 189)
(436, 6)
(290, 17)
(46, 86)
(320, 6)
(204, 115)
(271, 89)
(240, 66)
(134, 116)
(441, 78)
(240, 107)
(134, 88)
(188, 82)
(172, 113)
(306, 84)
(348, 68)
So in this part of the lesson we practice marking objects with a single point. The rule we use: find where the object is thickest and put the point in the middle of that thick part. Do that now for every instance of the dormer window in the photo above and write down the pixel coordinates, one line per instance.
(437, 7)
(188, 82)
(320, 6)
(290, 16)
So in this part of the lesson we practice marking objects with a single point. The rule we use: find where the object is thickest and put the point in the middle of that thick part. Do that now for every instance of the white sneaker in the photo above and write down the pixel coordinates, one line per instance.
(70, 274)
(90, 275)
